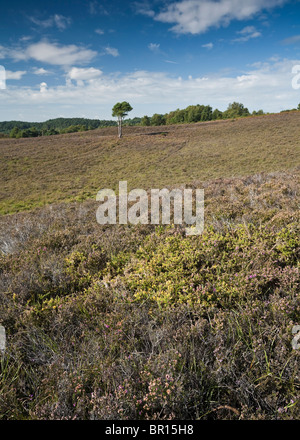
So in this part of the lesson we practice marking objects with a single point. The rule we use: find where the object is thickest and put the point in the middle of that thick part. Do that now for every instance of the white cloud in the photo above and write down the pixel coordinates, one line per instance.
(52, 53)
(111, 51)
(82, 74)
(61, 22)
(208, 46)
(26, 38)
(267, 85)
(195, 17)
(143, 8)
(41, 71)
(99, 31)
(15, 75)
(154, 47)
(247, 33)
(56, 20)
(247, 30)
(43, 87)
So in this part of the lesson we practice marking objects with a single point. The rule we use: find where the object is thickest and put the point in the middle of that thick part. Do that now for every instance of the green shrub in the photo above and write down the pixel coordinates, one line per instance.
(219, 269)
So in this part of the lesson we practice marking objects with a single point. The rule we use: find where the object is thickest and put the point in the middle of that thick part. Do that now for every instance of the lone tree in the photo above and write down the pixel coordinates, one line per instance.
(121, 110)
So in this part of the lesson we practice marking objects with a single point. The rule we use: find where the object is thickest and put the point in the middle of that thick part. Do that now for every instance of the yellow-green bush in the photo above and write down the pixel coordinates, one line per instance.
(214, 269)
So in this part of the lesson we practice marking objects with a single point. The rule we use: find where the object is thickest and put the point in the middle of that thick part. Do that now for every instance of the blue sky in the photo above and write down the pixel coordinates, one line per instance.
(80, 57)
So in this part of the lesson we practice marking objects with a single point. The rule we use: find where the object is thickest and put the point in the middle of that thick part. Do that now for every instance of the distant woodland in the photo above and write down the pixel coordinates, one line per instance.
(192, 113)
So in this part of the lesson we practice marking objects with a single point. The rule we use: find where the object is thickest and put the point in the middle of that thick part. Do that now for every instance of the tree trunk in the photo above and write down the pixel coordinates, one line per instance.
(120, 127)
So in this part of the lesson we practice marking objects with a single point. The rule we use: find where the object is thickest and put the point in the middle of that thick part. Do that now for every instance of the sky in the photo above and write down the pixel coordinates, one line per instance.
(78, 58)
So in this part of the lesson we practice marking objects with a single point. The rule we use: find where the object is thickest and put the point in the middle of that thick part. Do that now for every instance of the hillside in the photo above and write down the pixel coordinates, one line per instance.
(37, 171)
(123, 322)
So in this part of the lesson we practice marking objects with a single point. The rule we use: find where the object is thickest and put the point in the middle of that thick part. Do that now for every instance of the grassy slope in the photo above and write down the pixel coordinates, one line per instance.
(122, 322)
(75, 166)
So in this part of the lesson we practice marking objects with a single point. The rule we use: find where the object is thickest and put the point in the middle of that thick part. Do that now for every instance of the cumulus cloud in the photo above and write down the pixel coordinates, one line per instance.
(266, 85)
(59, 55)
(82, 74)
(43, 87)
(52, 53)
(195, 17)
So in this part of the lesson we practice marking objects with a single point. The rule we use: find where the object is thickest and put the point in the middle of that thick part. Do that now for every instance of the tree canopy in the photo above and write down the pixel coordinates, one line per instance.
(120, 110)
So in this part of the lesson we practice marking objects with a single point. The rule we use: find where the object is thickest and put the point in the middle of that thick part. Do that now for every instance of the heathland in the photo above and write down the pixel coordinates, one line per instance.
(144, 322)
(74, 166)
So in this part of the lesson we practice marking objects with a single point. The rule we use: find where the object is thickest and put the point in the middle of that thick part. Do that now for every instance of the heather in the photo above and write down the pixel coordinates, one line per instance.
(144, 322)
(37, 171)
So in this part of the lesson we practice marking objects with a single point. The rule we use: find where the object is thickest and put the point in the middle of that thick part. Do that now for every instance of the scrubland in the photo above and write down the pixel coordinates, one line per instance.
(144, 322)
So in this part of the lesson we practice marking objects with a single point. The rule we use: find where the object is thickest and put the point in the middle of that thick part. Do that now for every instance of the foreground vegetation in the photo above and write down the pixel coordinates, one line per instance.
(123, 322)
(144, 322)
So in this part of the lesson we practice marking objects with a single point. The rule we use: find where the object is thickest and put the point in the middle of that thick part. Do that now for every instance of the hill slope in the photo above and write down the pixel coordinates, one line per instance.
(38, 171)
(142, 322)
(122, 322)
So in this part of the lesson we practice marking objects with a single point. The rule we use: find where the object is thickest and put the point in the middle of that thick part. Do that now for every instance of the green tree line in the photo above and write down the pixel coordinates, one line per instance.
(20, 129)
(198, 113)
(192, 113)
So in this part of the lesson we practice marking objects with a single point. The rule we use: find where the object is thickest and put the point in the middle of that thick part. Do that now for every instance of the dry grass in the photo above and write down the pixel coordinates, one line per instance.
(37, 171)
